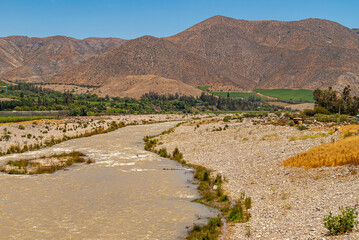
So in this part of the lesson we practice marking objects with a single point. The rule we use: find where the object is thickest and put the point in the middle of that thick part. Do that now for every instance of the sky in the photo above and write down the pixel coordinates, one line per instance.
(130, 19)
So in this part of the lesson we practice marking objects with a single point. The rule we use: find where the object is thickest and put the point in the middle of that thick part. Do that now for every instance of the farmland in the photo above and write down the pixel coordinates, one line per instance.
(244, 95)
(289, 95)
(283, 95)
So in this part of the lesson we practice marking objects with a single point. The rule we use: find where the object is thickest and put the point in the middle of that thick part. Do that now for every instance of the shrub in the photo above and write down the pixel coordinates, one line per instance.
(210, 231)
(227, 119)
(309, 112)
(163, 152)
(343, 222)
(248, 202)
(177, 155)
(323, 118)
(236, 215)
(291, 123)
(321, 110)
(302, 127)
(6, 137)
(21, 127)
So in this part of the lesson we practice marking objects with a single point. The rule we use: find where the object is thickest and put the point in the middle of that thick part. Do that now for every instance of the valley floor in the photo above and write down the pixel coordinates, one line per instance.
(288, 203)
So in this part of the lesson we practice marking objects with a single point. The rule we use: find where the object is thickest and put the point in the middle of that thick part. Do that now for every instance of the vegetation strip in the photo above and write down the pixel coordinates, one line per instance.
(43, 165)
(22, 119)
(33, 97)
(16, 148)
(211, 191)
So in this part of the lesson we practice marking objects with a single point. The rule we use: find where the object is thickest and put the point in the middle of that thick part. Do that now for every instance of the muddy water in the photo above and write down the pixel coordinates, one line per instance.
(126, 194)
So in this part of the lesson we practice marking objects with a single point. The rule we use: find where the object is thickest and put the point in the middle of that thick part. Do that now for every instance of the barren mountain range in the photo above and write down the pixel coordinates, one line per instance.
(38, 59)
(220, 52)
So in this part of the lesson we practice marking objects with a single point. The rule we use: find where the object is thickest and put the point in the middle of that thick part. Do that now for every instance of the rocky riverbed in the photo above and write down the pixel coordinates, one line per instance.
(288, 203)
(14, 137)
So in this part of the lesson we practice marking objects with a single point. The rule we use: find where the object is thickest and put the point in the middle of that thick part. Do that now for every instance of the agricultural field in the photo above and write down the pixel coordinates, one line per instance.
(206, 89)
(243, 95)
(284, 95)
(289, 95)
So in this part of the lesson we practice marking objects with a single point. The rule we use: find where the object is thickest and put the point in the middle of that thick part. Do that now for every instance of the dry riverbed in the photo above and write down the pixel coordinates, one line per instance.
(288, 203)
(31, 135)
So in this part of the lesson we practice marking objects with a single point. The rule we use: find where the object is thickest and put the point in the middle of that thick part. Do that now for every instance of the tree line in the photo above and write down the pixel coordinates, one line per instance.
(29, 97)
(337, 102)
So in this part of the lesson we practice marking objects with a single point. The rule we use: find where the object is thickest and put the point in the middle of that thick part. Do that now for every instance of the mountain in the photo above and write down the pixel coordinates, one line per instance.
(356, 31)
(38, 59)
(146, 56)
(225, 53)
(309, 53)
(136, 86)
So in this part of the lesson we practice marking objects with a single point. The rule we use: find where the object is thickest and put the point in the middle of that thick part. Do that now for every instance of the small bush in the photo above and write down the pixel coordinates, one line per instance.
(236, 215)
(321, 110)
(248, 202)
(302, 127)
(163, 152)
(227, 119)
(291, 123)
(177, 155)
(309, 112)
(343, 222)
(21, 127)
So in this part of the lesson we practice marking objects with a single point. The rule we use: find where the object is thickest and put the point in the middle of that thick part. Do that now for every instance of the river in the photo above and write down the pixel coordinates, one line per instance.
(125, 194)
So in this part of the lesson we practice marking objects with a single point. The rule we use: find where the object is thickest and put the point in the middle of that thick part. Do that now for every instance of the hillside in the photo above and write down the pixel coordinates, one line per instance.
(38, 59)
(146, 56)
(309, 53)
(136, 86)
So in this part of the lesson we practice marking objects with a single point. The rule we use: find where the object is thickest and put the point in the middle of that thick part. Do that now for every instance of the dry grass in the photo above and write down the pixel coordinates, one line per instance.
(339, 153)
(307, 137)
(349, 129)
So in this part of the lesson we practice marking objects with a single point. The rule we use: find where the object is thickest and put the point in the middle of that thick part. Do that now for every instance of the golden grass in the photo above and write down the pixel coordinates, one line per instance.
(339, 153)
(349, 129)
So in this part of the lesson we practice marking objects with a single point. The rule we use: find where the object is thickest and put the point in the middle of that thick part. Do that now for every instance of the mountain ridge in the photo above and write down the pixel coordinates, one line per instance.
(225, 53)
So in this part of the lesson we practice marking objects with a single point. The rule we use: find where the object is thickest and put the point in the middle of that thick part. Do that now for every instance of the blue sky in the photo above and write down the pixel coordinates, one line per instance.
(129, 19)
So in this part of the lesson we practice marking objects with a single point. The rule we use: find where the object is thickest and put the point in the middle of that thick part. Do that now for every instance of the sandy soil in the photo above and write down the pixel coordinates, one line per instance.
(300, 106)
(288, 203)
(67, 88)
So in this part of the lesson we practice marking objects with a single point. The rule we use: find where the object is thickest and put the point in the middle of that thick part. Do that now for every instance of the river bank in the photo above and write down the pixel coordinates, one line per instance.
(288, 203)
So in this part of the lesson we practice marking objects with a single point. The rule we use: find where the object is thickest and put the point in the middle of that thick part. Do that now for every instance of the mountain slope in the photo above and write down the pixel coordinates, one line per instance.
(136, 86)
(276, 54)
(146, 56)
(40, 58)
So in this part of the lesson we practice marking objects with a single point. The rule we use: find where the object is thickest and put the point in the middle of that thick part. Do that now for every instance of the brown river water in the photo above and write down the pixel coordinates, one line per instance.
(125, 194)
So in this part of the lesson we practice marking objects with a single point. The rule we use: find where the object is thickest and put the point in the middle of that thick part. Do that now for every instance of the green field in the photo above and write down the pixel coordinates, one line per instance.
(244, 95)
(21, 119)
(289, 95)
(203, 88)
(2, 83)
